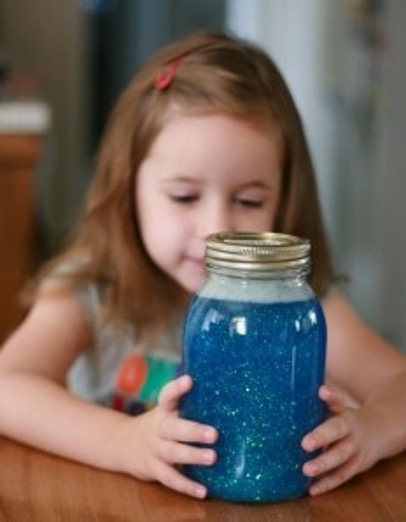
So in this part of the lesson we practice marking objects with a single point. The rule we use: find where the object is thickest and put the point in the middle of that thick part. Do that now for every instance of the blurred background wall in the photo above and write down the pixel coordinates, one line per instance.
(343, 60)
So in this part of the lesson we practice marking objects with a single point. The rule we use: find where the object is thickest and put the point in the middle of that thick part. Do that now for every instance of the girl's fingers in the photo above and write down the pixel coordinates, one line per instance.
(175, 428)
(333, 399)
(184, 430)
(336, 399)
(333, 458)
(172, 478)
(172, 392)
(332, 430)
(177, 453)
(334, 479)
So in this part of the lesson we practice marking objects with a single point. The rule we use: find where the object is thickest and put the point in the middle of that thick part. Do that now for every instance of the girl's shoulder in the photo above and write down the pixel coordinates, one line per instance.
(71, 274)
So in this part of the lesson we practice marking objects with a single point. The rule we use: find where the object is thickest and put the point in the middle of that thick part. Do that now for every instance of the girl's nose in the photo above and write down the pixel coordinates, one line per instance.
(215, 219)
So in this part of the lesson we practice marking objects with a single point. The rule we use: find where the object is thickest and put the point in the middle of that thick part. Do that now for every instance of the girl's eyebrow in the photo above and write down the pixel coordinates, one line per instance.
(256, 184)
(186, 179)
(181, 178)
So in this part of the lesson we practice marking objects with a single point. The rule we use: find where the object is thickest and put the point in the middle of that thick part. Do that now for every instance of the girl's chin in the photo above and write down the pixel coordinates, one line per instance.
(193, 287)
(192, 276)
(192, 284)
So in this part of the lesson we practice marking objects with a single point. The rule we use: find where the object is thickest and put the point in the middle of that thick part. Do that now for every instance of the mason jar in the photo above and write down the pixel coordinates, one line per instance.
(254, 344)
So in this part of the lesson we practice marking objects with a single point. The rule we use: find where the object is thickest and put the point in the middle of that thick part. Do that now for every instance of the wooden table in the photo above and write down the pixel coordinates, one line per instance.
(35, 486)
(19, 157)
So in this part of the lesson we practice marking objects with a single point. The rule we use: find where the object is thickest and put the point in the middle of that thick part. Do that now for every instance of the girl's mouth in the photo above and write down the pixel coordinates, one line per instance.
(197, 262)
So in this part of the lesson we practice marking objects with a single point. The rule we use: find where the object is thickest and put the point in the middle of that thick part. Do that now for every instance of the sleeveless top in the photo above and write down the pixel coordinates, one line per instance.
(115, 371)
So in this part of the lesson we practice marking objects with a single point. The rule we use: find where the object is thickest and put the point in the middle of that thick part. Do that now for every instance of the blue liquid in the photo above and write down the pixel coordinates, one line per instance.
(256, 369)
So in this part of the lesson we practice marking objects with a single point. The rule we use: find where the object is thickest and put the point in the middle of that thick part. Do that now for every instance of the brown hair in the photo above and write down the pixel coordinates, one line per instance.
(215, 73)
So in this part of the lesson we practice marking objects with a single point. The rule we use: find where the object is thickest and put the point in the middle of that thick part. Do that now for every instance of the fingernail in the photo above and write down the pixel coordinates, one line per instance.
(200, 492)
(209, 456)
(325, 393)
(209, 435)
(185, 381)
(308, 444)
(316, 489)
(311, 469)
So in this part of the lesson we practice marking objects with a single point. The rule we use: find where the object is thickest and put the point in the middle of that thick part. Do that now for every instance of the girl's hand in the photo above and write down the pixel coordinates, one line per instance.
(163, 441)
(347, 439)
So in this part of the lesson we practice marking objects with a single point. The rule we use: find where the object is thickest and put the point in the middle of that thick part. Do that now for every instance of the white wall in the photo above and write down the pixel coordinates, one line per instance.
(353, 106)
(293, 33)
(392, 179)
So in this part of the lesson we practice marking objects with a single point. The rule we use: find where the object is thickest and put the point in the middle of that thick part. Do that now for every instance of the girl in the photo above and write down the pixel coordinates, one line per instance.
(205, 138)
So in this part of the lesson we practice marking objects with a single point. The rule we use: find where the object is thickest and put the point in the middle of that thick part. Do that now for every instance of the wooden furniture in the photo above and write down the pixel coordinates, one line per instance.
(35, 486)
(19, 155)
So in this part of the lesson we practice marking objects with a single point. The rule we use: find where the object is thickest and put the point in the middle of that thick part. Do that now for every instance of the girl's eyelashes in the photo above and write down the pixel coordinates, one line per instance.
(183, 198)
(249, 203)
(239, 201)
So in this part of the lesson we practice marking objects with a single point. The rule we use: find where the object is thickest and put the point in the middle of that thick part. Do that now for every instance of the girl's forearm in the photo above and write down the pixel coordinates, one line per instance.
(387, 407)
(40, 413)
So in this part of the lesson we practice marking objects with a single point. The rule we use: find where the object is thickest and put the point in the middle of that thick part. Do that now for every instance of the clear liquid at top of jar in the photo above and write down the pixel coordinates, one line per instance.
(256, 287)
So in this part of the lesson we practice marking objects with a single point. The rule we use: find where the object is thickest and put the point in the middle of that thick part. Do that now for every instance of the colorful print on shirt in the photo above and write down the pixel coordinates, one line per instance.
(139, 381)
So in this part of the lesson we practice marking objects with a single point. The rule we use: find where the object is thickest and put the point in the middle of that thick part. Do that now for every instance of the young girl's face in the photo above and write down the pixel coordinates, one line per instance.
(205, 174)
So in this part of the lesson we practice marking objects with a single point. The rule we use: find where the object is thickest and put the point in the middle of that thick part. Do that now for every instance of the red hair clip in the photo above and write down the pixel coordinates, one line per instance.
(165, 76)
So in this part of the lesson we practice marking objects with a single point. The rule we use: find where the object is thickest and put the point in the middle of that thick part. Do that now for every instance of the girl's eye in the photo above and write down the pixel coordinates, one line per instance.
(250, 203)
(183, 198)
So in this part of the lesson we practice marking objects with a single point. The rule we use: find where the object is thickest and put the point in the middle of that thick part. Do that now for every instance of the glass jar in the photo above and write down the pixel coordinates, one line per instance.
(254, 344)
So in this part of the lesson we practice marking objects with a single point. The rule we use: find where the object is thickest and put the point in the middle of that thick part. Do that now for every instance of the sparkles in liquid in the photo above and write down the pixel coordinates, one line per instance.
(256, 369)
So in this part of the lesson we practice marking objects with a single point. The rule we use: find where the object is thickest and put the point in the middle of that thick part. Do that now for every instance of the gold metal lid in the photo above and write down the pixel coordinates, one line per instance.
(255, 251)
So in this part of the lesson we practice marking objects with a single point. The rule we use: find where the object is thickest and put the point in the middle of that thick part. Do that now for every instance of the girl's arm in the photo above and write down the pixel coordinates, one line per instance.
(374, 373)
(36, 408)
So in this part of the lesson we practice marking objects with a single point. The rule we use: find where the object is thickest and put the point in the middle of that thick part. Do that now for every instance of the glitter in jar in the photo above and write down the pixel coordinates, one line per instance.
(256, 369)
